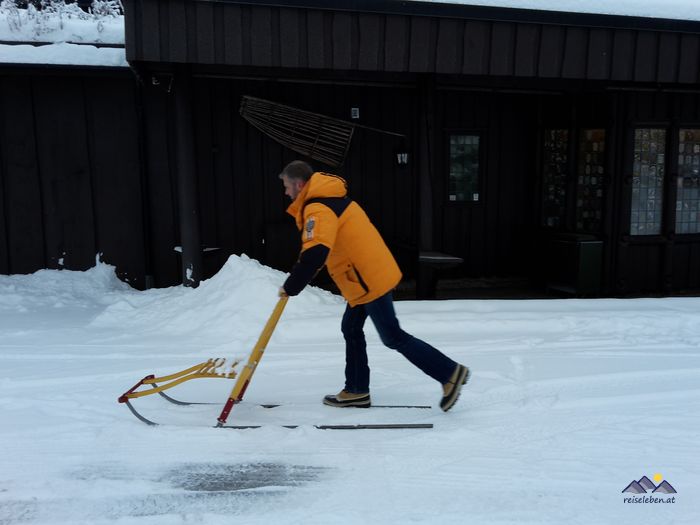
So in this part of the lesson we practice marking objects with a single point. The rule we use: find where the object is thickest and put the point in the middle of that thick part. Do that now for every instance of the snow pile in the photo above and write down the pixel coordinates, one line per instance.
(67, 35)
(234, 304)
(53, 298)
(59, 288)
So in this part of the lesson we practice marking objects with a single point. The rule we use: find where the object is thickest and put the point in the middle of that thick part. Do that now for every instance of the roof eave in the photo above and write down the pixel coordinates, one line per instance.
(476, 12)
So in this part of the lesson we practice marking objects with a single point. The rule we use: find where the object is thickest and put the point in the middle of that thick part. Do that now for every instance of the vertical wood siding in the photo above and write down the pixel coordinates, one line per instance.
(269, 36)
(71, 181)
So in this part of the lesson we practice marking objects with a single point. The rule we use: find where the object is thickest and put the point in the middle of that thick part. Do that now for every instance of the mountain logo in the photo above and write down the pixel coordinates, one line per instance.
(645, 485)
(665, 488)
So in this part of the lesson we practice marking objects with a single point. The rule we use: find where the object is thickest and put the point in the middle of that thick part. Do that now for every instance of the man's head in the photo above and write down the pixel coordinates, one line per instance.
(294, 176)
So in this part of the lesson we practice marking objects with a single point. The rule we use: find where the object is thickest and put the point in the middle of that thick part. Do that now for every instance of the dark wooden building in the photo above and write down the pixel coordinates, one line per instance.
(559, 147)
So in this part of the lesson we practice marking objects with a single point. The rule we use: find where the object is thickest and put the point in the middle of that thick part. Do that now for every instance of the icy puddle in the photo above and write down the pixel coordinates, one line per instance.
(187, 490)
(233, 478)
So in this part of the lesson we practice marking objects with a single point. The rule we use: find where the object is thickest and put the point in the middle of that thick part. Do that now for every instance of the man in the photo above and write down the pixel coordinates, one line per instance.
(336, 232)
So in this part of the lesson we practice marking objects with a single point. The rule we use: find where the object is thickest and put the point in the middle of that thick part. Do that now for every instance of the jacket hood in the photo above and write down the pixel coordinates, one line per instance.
(320, 185)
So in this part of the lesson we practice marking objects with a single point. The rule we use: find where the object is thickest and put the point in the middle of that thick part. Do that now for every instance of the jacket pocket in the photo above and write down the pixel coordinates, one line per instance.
(348, 280)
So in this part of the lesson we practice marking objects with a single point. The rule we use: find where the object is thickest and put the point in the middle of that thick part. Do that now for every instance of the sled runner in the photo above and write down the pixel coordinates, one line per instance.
(209, 369)
(213, 368)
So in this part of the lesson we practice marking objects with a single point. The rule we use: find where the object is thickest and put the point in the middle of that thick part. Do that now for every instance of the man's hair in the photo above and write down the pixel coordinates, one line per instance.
(297, 169)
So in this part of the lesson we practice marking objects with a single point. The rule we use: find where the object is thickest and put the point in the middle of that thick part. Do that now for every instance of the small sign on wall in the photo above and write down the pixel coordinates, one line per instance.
(355, 113)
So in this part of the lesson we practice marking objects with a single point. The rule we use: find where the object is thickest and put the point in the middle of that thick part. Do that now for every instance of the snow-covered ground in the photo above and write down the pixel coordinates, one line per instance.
(570, 401)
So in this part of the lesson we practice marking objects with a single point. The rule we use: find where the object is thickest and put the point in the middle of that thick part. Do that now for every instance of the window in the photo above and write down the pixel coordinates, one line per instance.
(688, 195)
(590, 182)
(587, 188)
(555, 175)
(648, 181)
(463, 184)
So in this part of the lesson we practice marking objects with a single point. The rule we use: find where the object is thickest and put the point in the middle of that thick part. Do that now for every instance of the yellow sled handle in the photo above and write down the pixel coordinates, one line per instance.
(246, 374)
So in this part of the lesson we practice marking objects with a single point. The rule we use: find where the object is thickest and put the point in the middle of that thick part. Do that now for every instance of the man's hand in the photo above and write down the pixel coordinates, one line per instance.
(282, 293)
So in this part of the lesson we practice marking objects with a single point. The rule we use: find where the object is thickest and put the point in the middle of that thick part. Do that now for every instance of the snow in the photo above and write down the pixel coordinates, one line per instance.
(672, 9)
(570, 401)
(68, 35)
(67, 23)
(63, 54)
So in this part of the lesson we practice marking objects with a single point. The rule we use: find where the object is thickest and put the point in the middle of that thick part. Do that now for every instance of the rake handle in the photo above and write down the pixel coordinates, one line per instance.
(255, 356)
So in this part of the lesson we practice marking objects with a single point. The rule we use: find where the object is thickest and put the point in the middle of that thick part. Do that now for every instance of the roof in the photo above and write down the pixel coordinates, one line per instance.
(669, 15)
(411, 37)
(668, 9)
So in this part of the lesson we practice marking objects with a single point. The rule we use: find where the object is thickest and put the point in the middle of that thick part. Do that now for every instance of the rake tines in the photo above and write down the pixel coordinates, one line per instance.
(316, 136)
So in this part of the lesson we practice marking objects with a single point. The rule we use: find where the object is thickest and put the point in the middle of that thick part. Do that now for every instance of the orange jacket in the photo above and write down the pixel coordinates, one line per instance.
(359, 261)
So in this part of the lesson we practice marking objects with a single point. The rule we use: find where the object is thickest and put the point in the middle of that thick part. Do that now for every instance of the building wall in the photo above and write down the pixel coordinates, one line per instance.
(70, 173)
(494, 235)
(87, 167)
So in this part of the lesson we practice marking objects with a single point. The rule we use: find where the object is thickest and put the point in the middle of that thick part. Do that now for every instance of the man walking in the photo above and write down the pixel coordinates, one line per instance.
(337, 233)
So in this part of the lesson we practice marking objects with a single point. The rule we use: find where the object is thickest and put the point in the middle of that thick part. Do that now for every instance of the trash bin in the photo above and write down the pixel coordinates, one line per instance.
(575, 264)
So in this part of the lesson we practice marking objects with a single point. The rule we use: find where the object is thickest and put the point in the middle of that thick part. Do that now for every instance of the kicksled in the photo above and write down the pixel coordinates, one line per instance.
(216, 369)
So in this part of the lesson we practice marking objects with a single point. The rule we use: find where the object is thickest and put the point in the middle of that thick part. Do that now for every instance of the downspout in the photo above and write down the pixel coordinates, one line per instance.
(186, 169)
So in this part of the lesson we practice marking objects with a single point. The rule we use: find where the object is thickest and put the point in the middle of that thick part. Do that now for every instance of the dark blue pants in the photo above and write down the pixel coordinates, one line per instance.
(381, 311)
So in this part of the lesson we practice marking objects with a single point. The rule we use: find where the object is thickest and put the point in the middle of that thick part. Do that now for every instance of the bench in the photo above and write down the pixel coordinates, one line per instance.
(429, 265)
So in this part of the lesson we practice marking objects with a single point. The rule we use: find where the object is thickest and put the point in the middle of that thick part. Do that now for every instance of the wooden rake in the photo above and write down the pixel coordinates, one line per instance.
(316, 136)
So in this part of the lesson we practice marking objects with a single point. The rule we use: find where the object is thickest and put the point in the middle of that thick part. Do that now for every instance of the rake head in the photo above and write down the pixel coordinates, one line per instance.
(316, 136)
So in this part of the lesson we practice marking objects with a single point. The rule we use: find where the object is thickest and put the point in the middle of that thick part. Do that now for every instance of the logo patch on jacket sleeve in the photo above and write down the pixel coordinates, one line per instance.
(309, 228)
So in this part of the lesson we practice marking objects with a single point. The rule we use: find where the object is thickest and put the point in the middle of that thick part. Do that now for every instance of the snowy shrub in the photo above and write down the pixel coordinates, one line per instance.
(9, 9)
(55, 20)
(107, 8)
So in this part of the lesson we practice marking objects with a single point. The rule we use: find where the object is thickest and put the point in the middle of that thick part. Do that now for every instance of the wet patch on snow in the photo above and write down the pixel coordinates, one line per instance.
(213, 477)
(187, 489)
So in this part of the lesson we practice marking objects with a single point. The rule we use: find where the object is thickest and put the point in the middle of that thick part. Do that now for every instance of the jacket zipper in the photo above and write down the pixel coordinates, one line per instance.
(359, 278)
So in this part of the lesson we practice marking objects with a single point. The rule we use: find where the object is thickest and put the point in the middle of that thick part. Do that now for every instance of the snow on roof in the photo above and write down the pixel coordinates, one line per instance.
(669, 9)
(63, 54)
(74, 37)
